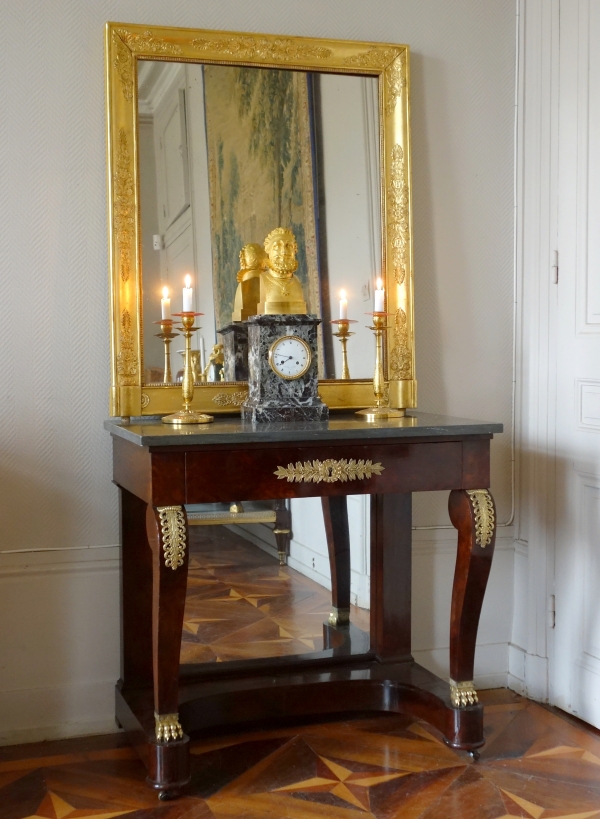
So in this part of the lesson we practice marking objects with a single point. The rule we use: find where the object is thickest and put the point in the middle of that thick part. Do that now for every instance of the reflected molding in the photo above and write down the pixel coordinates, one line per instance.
(125, 45)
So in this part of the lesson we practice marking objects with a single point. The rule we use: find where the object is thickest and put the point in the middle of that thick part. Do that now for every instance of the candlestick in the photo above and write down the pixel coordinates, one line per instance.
(167, 336)
(187, 296)
(343, 335)
(165, 305)
(343, 305)
(379, 298)
(379, 411)
(187, 415)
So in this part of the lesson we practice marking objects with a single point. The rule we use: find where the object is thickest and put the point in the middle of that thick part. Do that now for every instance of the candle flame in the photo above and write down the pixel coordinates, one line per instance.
(342, 294)
(165, 292)
(188, 280)
(379, 286)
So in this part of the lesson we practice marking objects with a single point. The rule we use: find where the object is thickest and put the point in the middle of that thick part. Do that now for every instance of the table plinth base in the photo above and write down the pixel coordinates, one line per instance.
(222, 700)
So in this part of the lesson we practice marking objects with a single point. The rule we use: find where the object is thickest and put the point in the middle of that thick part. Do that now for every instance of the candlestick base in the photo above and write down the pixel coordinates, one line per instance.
(188, 417)
(381, 413)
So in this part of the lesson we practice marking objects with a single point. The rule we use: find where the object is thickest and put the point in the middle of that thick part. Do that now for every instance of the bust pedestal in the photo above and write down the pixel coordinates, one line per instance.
(235, 351)
(271, 397)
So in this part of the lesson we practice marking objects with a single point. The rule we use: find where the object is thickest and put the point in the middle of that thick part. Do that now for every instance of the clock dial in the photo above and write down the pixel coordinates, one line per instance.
(290, 357)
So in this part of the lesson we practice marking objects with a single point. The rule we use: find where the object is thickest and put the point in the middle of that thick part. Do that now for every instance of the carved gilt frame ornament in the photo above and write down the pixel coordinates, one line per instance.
(125, 46)
(172, 525)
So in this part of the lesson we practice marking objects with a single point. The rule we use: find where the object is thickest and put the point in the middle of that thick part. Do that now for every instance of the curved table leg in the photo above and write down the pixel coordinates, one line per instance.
(167, 531)
(335, 516)
(473, 513)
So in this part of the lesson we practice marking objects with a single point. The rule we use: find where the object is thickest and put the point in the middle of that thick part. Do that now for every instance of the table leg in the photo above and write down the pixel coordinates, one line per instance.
(167, 531)
(391, 561)
(136, 594)
(282, 530)
(473, 513)
(335, 516)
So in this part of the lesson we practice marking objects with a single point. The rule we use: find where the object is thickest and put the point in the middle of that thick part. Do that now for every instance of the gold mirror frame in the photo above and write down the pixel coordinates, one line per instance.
(125, 44)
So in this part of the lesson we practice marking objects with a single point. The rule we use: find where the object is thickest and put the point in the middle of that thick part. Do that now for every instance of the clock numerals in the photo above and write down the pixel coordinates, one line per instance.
(290, 357)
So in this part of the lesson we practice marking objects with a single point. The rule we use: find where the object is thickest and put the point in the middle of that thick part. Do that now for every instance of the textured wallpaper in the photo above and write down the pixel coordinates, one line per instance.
(54, 454)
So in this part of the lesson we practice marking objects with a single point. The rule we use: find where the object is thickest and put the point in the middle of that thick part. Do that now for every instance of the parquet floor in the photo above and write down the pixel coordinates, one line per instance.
(242, 604)
(535, 764)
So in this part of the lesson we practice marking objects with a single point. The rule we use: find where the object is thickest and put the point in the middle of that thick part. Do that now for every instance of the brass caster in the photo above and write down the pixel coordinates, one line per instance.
(474, 755)
(167, 796)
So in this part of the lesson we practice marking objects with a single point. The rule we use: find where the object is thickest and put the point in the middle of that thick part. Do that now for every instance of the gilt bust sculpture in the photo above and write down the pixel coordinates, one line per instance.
(280, 288)
(253, 260)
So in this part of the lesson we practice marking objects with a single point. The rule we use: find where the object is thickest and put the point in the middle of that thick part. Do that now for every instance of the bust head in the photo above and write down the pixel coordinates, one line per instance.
(253, 260)
(252, 257)
(281, 248)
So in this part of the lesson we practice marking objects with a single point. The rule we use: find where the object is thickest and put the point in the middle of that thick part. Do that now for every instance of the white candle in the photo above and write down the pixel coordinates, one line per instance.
(379, 298)
(187, 296)
(343, 305)
(165, 305)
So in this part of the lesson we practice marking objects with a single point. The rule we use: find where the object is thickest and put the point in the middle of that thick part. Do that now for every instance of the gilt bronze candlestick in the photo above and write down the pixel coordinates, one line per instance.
(343, 334)
(380, 410)
(167, 335)
(187, 415)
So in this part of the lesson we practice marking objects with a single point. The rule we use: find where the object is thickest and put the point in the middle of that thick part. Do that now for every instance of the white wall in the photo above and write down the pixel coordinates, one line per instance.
(58, 503)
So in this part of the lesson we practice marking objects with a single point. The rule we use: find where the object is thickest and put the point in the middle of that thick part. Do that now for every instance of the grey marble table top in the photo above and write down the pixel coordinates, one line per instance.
(151, 432)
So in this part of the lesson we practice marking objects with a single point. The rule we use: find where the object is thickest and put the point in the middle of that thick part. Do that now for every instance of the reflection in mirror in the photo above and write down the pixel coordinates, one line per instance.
(243, 602)
(226, 154)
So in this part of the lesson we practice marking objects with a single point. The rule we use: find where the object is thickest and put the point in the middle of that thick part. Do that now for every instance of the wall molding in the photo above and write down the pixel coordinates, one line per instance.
(68, 560)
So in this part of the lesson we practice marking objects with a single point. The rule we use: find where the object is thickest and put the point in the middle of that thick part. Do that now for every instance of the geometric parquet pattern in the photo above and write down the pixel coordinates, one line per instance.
(242, 604)
(535, 764)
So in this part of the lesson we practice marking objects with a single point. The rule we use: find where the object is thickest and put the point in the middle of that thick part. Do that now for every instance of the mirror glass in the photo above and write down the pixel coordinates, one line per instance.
(243, 604)
(227, 154)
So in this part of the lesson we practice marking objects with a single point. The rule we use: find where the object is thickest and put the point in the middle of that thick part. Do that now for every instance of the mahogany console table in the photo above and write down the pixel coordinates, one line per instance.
(159, 468)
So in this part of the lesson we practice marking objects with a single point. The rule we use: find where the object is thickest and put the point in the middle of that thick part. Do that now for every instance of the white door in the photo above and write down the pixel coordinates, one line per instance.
(575, 664)
(175, 212)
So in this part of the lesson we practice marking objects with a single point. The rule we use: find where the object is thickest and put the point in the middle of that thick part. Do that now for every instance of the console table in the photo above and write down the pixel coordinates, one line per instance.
(159, 469)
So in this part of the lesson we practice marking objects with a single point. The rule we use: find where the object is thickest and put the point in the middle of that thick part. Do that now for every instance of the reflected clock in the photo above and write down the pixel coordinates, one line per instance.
(282, 369)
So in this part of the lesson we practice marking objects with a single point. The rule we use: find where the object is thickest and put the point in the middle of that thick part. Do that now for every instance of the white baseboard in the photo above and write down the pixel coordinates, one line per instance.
(536, 677)
(527, 674)
(61, 653)
(39, 714)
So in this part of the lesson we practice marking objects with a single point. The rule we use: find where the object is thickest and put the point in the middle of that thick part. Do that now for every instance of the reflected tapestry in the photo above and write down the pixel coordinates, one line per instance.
(260, 163)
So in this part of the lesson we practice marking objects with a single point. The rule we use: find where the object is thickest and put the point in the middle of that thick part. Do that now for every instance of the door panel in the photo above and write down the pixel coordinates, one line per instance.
(575, 667)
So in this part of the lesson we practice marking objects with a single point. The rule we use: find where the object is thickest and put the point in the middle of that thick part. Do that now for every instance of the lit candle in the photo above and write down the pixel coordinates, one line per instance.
(187, 296)
(343, 305)
(165, 305)
(379, 298)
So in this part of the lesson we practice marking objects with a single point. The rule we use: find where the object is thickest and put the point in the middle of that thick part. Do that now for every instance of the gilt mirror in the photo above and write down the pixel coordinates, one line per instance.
(216, 138)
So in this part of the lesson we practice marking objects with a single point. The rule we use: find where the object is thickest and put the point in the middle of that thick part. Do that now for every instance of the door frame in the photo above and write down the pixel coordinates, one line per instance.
(536, 237)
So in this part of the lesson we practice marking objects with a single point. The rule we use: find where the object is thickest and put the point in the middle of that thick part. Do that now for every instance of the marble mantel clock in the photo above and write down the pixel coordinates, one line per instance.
(282, 343)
